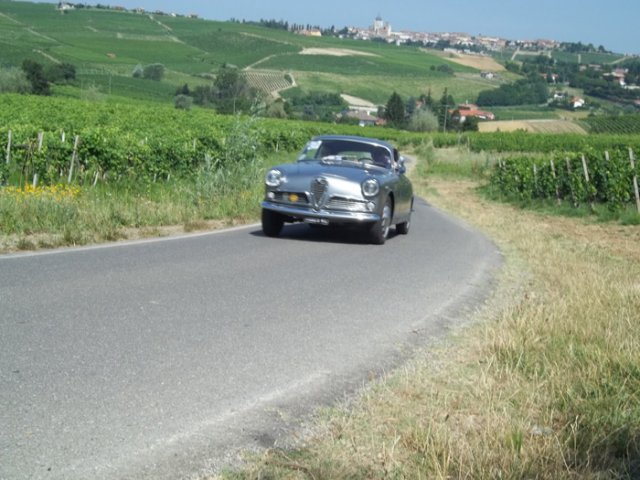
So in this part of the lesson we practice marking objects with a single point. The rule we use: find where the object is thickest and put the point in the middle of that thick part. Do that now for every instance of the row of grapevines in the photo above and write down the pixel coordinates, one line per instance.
(534, 142)
(136, 141)
(622, 124)
(586, 177)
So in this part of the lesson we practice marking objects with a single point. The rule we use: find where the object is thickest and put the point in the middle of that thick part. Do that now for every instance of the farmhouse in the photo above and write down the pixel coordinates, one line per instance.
(577, 102)
(618, 76)
(314, 32)
(468, 110)
(364, 118)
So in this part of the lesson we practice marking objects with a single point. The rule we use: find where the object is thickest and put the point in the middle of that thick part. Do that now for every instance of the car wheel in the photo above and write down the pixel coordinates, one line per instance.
(380, 229)
(272, 223)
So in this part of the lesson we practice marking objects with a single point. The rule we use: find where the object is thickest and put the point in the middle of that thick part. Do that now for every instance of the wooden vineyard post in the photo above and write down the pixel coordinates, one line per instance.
(8, 157)
(555, 180)
(34, 183)
(586, 177)
(635, 179)
(63, 139)
(573, 195)
(73, 157)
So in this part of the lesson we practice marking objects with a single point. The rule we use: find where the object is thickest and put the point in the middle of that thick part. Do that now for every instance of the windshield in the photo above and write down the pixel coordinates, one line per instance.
(346, 151)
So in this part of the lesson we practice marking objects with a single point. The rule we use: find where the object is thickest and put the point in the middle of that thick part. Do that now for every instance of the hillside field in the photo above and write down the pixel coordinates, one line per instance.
(534, 126)
(106, 46)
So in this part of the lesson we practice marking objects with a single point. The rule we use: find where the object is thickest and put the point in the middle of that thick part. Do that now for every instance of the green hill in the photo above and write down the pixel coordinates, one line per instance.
(105, 45)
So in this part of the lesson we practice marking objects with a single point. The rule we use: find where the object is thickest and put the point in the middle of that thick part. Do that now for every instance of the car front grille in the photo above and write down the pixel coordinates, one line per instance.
(318, 198)
(319, 192)
(337, 203)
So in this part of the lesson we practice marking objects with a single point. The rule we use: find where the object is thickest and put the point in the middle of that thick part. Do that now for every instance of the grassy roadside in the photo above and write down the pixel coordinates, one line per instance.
(61, 215)
(544, 384)
(36, 218)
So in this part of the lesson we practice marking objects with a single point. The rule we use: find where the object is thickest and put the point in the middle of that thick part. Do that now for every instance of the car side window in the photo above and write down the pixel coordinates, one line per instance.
(311, 151)
(396, 158)
(381, 158)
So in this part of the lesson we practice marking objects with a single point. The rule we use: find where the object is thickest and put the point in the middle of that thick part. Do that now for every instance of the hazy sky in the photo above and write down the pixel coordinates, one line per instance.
(614, 24)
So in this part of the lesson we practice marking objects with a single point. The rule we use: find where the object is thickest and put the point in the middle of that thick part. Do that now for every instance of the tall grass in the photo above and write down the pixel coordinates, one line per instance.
(223, 191)
(545, 384)
(113, 212)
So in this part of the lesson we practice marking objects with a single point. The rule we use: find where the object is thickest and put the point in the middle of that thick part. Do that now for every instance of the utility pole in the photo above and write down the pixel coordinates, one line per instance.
(444, 124)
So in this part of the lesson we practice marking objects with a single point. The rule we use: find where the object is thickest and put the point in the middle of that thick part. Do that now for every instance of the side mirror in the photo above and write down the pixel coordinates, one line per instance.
(402, 168)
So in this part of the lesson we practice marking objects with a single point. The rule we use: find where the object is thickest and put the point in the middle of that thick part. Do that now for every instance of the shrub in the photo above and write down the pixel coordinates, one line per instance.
(138, 71)
(183, 102)
(35, 74)
(13, 80)
(155, 71)
(423, 120)
(61, 73)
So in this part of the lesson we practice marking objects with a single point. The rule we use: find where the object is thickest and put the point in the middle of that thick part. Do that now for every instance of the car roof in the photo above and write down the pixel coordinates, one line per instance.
(355, 138)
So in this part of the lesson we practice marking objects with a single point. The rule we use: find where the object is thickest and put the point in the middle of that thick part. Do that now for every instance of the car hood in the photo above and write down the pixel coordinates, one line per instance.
(338, 171)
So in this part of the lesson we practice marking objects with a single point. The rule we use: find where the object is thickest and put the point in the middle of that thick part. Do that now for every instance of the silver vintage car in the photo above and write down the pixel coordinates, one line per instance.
(341, 180)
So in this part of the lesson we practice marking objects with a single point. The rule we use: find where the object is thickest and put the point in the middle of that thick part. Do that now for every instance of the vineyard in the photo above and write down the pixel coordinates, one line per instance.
(267, 81)
(47, 141)
(506, 142)
(623, 124)
(106, 45)
(609, 178)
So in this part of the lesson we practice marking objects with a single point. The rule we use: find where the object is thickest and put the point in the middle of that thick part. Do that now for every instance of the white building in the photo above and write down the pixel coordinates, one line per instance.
(380, 27)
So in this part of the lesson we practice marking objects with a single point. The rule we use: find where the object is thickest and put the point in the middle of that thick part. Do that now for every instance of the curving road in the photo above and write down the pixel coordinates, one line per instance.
(160, 359)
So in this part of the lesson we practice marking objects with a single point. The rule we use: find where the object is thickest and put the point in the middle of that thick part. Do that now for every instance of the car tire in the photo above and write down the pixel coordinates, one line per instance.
(380, 229)
(272, 223)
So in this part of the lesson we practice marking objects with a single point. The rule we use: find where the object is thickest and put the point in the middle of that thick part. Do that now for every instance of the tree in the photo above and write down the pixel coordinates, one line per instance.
(528, 91)
(61, 73)
(204, 95)
(410, 106)
(470, 124)
(443, 109)
(155, 71)
(395, 111)
(445, 69)
(427, 100)
(513, 67)
(138, 71)
(276, 109)
(183, 90)
(232, 90)
(423, 120)
(14, 80)
(35, 74)
(183, 102)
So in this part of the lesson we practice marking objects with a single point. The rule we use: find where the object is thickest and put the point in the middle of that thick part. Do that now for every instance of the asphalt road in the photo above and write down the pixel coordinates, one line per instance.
(161, 359)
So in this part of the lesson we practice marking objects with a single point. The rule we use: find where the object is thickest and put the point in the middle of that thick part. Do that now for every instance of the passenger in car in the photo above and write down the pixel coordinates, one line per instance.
(381, 158)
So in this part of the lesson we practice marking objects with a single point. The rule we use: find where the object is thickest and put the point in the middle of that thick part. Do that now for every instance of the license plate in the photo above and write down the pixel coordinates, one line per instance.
(316, 221)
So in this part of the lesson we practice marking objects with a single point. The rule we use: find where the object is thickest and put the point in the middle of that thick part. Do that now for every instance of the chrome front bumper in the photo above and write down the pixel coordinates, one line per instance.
(301, 213)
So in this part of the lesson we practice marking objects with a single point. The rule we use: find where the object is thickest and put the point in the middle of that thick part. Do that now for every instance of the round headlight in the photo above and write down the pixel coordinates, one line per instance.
(274, 178)
(370, 187)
